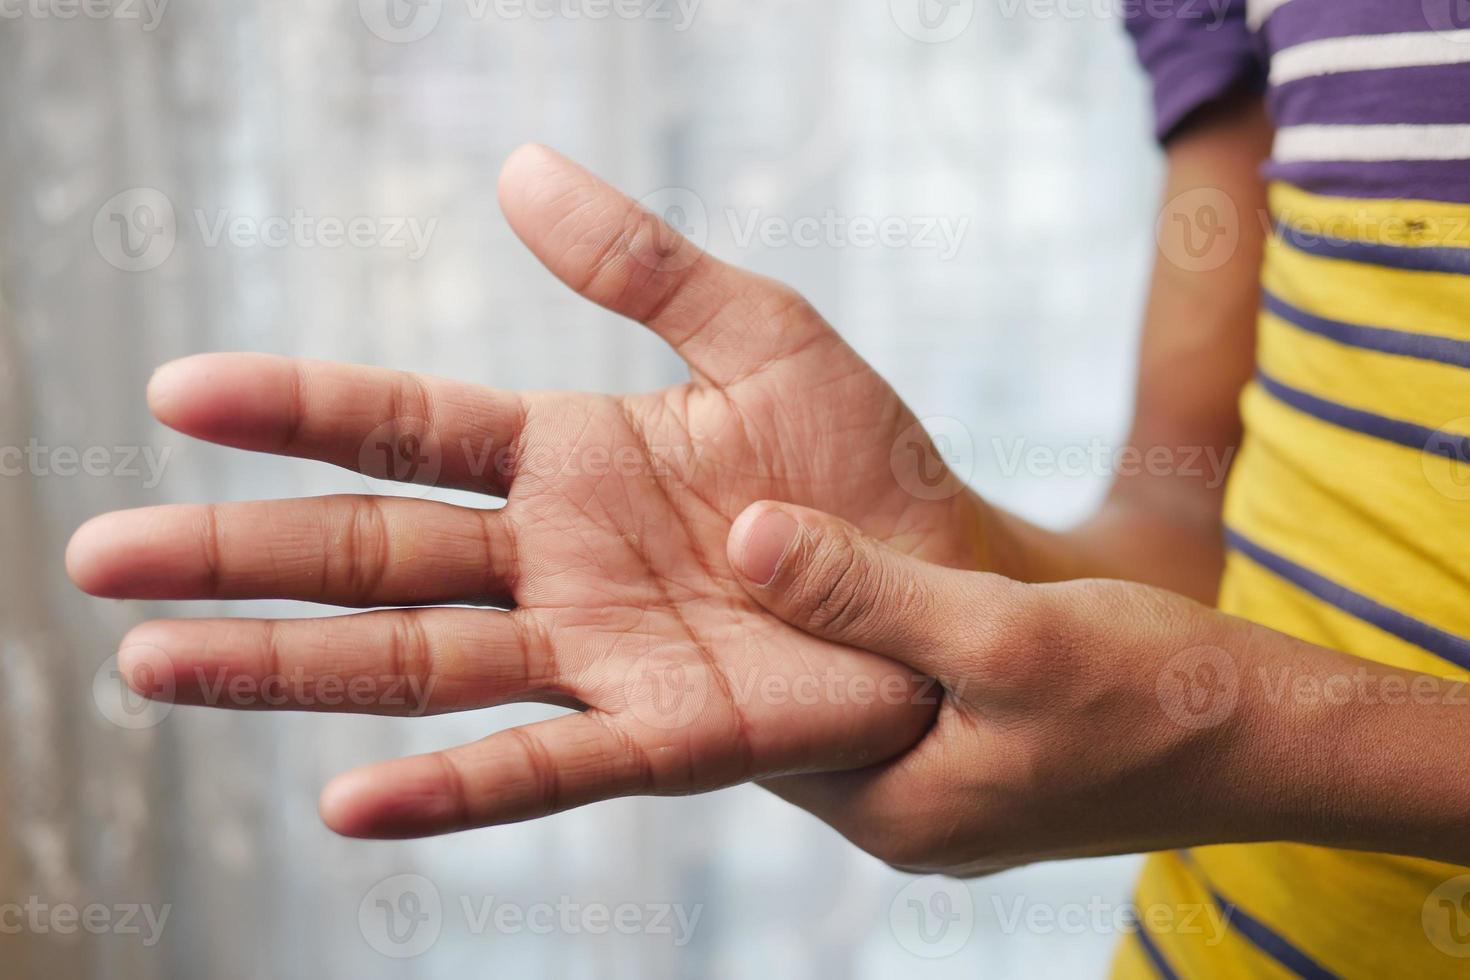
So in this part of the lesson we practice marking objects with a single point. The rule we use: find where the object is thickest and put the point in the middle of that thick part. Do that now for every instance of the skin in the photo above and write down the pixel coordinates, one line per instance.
(628, 595)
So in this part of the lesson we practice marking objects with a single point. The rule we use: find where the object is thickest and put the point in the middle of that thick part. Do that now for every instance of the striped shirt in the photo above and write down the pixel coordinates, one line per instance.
(1348, 511)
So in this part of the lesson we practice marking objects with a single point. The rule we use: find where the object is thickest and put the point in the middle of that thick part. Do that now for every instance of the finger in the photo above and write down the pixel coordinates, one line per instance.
(343, 550)
(385, 423)
(394, 662)
(826, 577)
(726, 323)
(519, 774)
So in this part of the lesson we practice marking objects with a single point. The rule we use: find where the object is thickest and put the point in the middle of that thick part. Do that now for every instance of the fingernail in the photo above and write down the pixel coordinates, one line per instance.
(766, 544)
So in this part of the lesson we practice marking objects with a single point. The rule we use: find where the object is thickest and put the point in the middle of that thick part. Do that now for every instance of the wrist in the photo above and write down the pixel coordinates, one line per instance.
(1348, 753)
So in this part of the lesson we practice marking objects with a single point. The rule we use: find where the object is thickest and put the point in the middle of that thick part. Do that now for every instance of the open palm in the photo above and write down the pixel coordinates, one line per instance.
(609, 556)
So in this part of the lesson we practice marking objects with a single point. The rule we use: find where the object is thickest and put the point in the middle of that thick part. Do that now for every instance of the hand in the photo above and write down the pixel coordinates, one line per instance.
(610, 549)
(1084, 718)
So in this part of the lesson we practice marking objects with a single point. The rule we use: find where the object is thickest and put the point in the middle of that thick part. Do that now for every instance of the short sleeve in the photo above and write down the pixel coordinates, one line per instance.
(1194, 53)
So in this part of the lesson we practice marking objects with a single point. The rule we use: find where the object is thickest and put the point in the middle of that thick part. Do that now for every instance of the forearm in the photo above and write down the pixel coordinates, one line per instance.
(1348, 753)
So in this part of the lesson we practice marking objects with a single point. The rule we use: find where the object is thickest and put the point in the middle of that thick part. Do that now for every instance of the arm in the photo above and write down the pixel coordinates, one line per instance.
(1101, 717)
(1198, 349)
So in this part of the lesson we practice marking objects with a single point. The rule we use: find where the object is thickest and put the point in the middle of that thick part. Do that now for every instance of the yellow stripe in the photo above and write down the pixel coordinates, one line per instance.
(1356, 914)
(1410, 389)
(1256, 594)
(1130, 962)
(1435, 303)
(1363, 512)
(1389, 222)
(1207, 946)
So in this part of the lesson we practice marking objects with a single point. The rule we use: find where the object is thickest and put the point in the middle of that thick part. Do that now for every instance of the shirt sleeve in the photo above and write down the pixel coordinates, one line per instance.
(1194, 53)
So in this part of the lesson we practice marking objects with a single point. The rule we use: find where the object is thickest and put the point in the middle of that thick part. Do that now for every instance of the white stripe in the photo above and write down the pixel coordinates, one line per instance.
(1257, 12)
(1369, 52)
(1371, 143)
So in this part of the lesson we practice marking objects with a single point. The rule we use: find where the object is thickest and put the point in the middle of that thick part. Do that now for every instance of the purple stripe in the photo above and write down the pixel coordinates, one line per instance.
(1444, 350)
(1435, 442)
(1274, 945)
(1423, 180)
(1152, 951)
(1424, 95)
(1311, 20)
(1268, 941)
(1413, 258)
(1447, 646)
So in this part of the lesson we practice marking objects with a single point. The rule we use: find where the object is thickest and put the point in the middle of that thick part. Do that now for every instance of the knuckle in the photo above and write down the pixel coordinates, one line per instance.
(1013, 647)
(842, 587)
(410, 651)
(365, 550)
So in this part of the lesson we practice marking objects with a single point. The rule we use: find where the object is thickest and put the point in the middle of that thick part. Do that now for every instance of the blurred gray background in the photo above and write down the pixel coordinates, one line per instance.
(1005, 146)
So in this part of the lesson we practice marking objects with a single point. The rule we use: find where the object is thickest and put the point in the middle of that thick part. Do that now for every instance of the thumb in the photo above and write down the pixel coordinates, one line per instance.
(826, 577)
